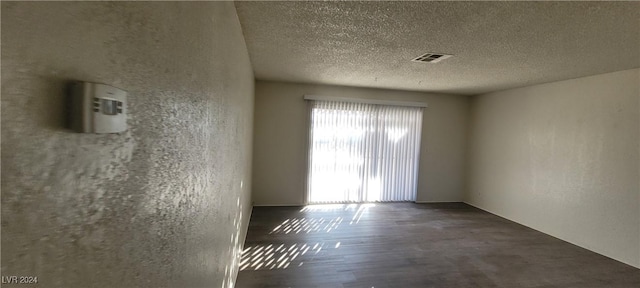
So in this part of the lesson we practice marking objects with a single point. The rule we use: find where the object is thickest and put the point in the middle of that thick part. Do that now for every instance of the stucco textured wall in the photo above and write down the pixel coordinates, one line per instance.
(563, 158)
(165, 204)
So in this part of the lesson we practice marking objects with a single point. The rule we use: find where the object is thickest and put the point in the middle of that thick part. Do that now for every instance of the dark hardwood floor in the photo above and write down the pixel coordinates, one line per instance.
(413, 245)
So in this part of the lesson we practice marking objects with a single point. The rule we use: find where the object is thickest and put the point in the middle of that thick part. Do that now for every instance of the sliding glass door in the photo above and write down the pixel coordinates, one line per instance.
(363, 152)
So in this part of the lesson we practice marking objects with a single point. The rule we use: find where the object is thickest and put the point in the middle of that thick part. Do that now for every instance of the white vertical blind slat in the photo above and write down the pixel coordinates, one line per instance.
(363, 152)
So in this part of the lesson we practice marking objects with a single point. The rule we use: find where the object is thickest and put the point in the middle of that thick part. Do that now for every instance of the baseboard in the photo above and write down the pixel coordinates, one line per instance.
(300, 205)
(554, 236)
(427, 202)
(276, 205)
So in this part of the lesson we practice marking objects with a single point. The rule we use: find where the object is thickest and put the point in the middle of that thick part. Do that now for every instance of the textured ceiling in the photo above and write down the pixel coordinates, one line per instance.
(496, 45)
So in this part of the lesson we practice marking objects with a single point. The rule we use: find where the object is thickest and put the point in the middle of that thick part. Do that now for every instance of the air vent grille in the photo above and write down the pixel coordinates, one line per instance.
(431, 57)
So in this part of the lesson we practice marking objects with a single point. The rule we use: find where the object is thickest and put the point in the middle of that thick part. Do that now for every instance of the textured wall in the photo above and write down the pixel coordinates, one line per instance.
(164, 204)
(563, 158)
(281, 125)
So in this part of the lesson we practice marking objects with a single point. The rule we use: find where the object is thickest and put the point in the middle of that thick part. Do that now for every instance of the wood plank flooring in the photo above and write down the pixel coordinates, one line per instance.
(413, 245)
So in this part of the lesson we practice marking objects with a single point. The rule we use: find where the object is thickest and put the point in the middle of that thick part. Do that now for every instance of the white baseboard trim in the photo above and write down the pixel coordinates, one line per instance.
(301, 205)
(427, 202)
(559, 237)
(273, 205)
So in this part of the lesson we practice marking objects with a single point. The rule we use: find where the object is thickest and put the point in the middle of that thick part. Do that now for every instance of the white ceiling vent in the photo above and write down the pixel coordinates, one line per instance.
(431, 57)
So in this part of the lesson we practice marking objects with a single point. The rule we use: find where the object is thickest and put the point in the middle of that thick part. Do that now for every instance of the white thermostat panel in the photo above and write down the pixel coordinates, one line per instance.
(98, 108)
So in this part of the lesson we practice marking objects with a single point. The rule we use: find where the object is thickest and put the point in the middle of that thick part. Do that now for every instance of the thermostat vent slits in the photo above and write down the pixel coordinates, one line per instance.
(431, 57)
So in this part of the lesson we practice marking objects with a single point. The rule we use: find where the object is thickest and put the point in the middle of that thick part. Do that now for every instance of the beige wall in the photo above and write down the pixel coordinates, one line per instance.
(280, 147)
(562, 158)
(165, 204)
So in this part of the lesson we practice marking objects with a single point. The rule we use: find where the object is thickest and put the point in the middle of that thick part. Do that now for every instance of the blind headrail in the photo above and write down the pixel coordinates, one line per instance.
(365, 101)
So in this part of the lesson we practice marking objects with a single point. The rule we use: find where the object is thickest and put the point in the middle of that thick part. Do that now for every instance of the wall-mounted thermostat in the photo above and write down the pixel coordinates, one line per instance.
(98, 108)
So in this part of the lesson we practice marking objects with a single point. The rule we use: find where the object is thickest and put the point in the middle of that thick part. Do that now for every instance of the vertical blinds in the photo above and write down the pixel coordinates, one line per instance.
(363, 152)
